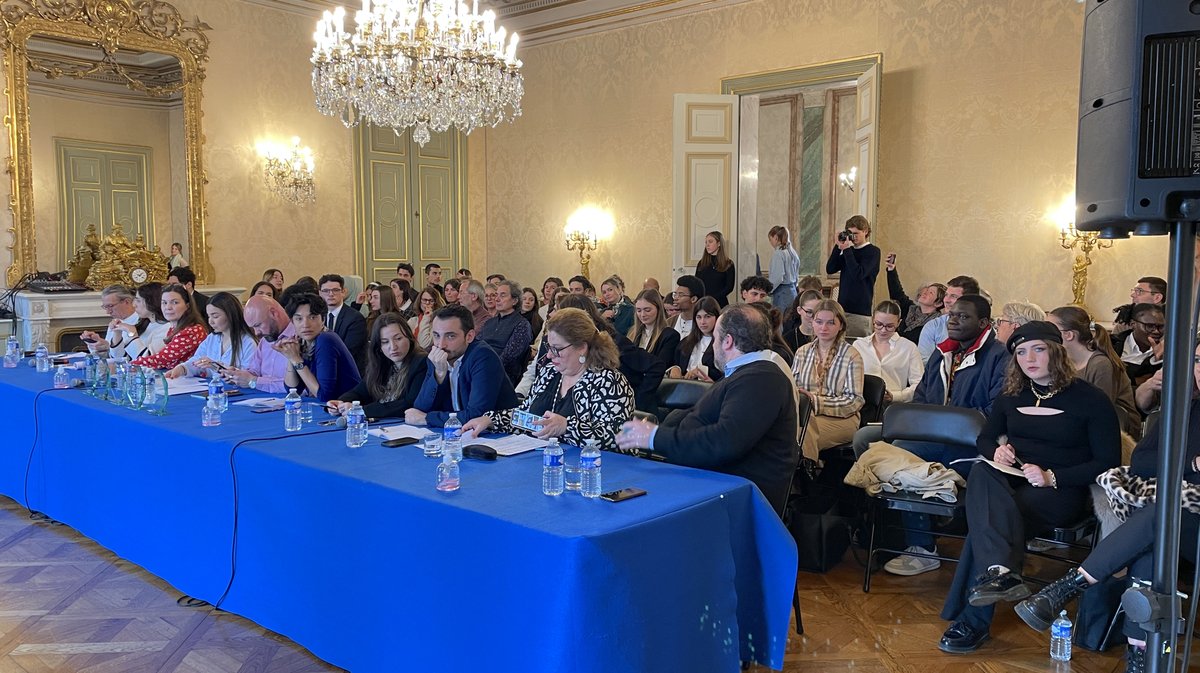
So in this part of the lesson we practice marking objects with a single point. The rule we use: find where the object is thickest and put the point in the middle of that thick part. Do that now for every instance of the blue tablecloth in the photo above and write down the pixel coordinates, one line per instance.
(354, 554)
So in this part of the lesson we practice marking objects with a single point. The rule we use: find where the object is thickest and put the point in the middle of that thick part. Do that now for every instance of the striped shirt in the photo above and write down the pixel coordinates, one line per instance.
(841, 394)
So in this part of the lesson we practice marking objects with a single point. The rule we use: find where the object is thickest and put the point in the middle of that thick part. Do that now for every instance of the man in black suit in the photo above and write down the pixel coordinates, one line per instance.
(745, 424)
(342, 320)
(182, 275)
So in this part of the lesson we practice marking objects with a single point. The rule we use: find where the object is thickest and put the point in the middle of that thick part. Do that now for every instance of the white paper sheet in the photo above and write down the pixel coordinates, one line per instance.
(1007, 469)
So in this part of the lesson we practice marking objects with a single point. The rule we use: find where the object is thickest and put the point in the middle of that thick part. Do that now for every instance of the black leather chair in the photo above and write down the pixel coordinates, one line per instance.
(871, 412)
(679, 394)
(923, 423)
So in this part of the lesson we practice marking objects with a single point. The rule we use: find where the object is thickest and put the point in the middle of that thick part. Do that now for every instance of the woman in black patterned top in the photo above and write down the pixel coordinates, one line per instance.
(581, 396)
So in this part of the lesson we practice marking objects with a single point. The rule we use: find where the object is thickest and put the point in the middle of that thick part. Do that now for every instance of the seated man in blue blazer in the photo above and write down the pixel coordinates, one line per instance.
(463, 375)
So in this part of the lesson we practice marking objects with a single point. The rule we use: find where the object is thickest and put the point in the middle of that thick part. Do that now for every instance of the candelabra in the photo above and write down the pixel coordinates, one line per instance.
(584, 230)
(424, 64)
(1086, 242)
(289, 173)
(847, 179)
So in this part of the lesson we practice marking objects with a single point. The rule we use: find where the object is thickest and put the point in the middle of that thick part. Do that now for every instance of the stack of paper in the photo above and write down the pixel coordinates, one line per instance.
(398, 431)
(262, 403)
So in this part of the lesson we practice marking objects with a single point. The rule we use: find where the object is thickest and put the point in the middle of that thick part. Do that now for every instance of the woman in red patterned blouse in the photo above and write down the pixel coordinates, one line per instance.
(185, 334)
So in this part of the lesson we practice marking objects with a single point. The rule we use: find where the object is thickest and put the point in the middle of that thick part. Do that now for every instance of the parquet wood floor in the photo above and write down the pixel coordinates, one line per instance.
(68, 605)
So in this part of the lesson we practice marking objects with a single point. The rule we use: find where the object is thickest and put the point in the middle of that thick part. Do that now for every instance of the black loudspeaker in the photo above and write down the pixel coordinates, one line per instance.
(1139, 116)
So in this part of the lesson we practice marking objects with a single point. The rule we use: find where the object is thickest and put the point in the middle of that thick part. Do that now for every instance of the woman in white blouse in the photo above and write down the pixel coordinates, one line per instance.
(231, 343)
(150, 333)
(889, 356)
(694, 359)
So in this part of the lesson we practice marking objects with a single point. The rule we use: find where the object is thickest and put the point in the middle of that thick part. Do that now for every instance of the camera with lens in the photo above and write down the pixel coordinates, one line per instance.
(845, 235)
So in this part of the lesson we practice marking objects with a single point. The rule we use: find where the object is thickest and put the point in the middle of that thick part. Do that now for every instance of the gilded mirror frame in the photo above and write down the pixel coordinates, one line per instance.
(143, 25)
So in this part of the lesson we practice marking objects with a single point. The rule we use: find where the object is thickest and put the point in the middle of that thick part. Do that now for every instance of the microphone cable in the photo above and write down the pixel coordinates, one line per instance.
(236, 503)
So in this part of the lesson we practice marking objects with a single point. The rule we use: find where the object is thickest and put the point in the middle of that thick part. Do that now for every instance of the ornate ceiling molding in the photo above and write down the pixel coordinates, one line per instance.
(542, 21)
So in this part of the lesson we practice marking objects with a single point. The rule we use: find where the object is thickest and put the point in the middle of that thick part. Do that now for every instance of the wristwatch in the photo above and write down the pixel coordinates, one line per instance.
(253, 383)
(298, 366)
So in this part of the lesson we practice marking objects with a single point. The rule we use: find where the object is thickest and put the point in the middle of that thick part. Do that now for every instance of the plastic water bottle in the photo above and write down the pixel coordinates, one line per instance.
(12, 352)
(552, 468)
(291, 411)
(217, 399)
(42, 356)
(1060, 638)
(448, 474)
(452, 438)
(589, 468)
(61, 378)
(356, 426)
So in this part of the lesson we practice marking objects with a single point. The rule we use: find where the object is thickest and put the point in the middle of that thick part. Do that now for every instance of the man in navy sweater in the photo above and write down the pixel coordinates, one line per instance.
(858, 261)
(464, 376)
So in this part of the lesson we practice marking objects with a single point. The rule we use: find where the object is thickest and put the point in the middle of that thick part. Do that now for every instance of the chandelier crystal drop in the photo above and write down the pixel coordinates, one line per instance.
(421, 64)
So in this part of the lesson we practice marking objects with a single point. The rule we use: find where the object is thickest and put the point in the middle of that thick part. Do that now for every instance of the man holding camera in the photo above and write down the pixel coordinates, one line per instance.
(858, 261)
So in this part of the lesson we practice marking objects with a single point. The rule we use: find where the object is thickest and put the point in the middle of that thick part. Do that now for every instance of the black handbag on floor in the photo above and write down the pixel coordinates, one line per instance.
(821, 527)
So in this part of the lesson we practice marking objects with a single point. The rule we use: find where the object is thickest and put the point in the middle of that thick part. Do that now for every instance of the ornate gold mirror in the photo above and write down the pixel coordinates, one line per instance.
(140, 65)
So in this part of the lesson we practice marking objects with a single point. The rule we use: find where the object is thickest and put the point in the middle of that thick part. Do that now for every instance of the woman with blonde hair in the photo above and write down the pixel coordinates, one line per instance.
(1090, 350)
(785, 268)
(616, 307)
(650, 331)
(716, 270)
(582, 395)
(830, 371)
(1013, 315)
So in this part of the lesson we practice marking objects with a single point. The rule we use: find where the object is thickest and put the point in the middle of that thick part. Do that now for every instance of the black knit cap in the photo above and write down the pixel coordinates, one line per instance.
(1034, 330)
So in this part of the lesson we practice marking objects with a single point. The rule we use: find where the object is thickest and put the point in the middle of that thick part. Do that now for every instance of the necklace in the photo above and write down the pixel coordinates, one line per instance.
(1041, 397)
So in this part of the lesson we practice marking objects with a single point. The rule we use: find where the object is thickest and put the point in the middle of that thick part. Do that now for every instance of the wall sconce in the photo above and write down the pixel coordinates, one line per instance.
(585, 229)
(847, 179)
(1085, 241)
(289, 172)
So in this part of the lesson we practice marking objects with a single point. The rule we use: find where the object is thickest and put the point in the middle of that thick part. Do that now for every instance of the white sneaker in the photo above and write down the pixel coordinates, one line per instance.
(908, 566)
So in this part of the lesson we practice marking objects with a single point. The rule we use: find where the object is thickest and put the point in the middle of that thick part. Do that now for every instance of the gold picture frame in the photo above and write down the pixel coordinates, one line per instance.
(110, 25)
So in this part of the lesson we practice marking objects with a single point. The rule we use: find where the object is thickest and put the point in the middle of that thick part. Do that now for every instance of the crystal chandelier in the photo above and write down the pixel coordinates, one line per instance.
(425, 64)
(289, 173)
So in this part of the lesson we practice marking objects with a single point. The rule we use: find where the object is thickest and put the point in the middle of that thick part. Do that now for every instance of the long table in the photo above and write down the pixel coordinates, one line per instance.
(353, 554)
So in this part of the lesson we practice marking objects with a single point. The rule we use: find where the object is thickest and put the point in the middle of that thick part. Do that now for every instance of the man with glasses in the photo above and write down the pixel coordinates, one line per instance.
(342, 320)
(117, 302)
(1149, 290)
(508, 332)
(1141, 347)
(464, 374)
(688, 291)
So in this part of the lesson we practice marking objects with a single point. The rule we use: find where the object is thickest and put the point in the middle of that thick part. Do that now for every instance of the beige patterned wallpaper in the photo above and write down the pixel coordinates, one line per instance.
(977, 140)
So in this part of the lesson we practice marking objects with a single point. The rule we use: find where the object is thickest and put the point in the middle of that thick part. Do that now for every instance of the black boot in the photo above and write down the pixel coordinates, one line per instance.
(1135, 659)
(1040, 610)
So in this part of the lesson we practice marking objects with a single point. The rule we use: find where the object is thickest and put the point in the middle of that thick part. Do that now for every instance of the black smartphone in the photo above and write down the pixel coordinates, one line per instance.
(623, 494)
(400, 441)
(87, 340)
(265, 410)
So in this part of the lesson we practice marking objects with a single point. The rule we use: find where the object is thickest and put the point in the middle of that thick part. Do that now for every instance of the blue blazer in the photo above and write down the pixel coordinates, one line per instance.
(482, 387)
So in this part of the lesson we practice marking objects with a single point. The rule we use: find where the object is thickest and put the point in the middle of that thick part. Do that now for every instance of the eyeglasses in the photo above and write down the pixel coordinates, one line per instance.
(1003, 321)
(1138, 291)
(682, 295)
(555, 351)
(1151, 326)
(885, 326)
(109, 307)
(807, 311)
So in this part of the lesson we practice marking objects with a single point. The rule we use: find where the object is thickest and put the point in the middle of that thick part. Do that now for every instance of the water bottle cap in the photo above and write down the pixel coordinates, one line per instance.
(1063, 613)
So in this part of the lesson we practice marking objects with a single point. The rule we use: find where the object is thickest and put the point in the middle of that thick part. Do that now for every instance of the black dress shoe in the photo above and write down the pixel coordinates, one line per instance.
(998, 585)
(961, 639)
